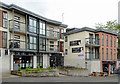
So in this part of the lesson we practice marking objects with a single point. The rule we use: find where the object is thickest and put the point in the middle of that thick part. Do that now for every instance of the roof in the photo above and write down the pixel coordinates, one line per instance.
(76, 30)
(24, 11)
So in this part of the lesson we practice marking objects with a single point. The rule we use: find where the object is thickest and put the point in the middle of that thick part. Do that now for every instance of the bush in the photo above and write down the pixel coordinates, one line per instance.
(29, 67)
(59, 67)
(38, 67)
(49, 68)
(19, 69)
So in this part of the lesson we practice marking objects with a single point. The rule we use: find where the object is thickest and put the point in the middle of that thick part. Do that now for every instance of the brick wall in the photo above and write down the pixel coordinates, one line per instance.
(1, 17)
(1, 39)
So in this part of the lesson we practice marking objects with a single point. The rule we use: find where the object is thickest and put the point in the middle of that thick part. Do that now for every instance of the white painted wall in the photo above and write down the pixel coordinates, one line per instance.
(0, 68)
(46, 61)
(34, 61)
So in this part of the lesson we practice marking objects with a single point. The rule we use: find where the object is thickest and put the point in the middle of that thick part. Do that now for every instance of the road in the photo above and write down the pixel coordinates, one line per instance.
(61, 79)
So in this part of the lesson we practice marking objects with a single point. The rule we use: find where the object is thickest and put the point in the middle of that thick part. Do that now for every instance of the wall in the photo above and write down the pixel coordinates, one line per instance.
(72, 59)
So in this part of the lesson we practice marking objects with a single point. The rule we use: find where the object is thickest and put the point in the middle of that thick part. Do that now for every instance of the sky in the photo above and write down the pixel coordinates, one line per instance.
(74, 13)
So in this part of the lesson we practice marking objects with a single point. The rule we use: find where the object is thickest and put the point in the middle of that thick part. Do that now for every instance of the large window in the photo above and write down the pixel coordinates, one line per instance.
(40, 61)
(32, 25)
(111, 41)
(102, 39)
(107, 40)
(111, 54)
(102, 53)
(106, 53)
(114, 42)
(114, 54)
(42, 28)
(42, 44)
(5, 19)
(77, 50)
(62, 35)
(33, 41)
(4, 39)
(74, 43)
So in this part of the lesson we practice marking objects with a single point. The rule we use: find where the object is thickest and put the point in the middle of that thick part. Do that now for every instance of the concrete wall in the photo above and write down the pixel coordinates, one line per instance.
(46, 61)
(72, 59)
(5, 63)
(0, 68)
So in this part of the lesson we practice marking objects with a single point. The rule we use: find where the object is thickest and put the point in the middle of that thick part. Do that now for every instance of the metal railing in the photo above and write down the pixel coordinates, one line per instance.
(52, 47)
(92, 41)
(91, 55)
(16, 25)
(53, 34)
(17, 44)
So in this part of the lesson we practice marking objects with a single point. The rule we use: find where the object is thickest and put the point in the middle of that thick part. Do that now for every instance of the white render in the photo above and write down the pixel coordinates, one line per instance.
(46, 61)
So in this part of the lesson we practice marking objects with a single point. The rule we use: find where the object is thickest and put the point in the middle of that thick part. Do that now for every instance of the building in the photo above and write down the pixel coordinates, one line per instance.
(94, 49)
(29, 39)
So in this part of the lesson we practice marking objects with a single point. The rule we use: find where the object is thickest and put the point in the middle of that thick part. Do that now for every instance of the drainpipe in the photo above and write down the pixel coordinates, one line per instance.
(26, 33)
(13, 27)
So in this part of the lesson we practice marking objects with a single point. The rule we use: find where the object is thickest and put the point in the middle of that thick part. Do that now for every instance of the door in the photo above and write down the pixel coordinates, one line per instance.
(91, 38)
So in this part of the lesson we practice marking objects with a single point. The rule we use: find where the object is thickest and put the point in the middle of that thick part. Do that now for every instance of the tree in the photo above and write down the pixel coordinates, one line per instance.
(110, 25)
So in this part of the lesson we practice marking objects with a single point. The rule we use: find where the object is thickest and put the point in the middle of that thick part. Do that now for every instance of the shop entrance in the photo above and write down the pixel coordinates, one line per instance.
(23, 62)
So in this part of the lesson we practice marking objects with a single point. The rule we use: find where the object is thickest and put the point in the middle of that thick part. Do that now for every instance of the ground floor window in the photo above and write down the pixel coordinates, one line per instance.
(23, 62)
(40, 61)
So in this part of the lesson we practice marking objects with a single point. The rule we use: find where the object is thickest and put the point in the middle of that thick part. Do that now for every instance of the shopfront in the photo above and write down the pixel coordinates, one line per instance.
(22, 61)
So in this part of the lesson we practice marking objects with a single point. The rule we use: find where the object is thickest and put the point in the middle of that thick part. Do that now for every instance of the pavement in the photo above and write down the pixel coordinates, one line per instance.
(62, 78)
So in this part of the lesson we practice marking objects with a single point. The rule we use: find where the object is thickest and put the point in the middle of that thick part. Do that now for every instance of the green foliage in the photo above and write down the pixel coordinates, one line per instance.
(38, 67)
(110, 25)
(19, 69)
(49, 68)
(59, 67)
(27, 69)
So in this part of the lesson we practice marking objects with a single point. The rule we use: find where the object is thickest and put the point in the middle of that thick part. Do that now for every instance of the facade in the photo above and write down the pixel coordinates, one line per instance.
(29, 39)
(93, 49)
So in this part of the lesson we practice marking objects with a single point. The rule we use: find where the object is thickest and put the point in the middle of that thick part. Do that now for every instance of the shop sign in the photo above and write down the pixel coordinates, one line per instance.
(81, 56)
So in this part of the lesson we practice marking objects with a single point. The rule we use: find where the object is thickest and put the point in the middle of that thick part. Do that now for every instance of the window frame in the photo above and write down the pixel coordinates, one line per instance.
(43, 28)
(114, 42)
(42, 44)
(106, 53)
(107, 40)
(4, 39)
(111, 54)
(66, 38)
(102, 39)
(66, 51)
(33, 44)
(103, 53)
(5, 20)
(111, 41)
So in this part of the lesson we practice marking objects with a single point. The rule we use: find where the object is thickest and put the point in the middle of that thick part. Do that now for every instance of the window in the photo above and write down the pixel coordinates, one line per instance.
(66, 51)
(33, 42)
(111, 41)
(17, 37)
(4, 39)
(52, 42)
(42, 28)
(114, 54)
(74, 43)
(77, 50)
(62, 35)
(32, 25)
(40, 61)
(42, 44)
(111, 54)
(102, 53)
(114, 42)
(107, 40)
(5, 19)
(6, 52)
(106, 53)
(58, 33)
(0, 53)
(66, 38)
(62, 46)
(16, 17)
(51, 32)
(102, 39)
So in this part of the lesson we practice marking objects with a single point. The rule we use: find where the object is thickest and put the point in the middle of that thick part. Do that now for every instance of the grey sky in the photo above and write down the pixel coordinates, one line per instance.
(77, 13)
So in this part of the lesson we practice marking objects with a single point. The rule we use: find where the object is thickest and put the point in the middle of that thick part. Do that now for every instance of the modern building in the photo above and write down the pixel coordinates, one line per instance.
(94, 49)
(27, 39)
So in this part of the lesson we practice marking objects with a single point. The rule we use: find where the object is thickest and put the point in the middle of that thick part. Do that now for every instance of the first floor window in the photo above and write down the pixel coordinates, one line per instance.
(102, 53)
(66, 38)
(111, 54)
(33, 42)
(42, 44)
(5, 19)
(4, 39)
(107, 53)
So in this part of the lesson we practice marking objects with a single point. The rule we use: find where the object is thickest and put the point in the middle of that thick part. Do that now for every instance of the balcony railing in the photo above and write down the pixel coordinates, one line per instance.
(91, 55)
(53, 34)
(50, 47)
(93, 41)
(16, 26)
(17, 44)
